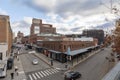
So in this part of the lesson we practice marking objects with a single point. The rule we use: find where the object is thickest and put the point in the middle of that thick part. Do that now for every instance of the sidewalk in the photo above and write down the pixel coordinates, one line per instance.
(59, 65)
(21, 74)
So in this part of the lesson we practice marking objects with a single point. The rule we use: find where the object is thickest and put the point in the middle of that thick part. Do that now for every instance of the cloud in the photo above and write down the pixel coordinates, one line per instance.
(23, 25)
(2, 12)
(69, 16)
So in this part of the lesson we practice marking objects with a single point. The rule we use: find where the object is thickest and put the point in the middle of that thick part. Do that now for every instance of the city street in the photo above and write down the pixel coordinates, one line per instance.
(28, 66)
(95, 67)
(41, 71)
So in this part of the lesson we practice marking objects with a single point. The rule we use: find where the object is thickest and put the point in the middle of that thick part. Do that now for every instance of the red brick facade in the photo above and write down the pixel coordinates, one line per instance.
(37, 27)
(6, 35)
(62, 46)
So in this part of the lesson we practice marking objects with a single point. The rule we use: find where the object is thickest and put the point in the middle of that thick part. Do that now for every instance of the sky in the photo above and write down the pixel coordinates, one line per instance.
(68, 16)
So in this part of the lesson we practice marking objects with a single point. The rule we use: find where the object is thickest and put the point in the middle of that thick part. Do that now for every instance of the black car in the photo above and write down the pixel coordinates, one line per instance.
(72, 75)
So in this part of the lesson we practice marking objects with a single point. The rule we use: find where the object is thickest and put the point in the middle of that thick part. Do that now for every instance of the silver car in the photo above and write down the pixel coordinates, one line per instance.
(35, 61)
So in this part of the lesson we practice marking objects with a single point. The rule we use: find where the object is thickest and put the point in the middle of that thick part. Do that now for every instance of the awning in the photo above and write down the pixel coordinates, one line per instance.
(54, 51)
(75, 52)
(79, 51)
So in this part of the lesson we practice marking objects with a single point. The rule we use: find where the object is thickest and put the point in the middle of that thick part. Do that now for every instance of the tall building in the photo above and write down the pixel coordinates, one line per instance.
(5, 37)
(42, 32)
(37, 27)
(99, 34)
(19, 37)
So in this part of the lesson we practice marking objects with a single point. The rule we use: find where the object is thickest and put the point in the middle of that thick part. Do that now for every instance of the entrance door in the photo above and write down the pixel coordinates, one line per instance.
(0, 55)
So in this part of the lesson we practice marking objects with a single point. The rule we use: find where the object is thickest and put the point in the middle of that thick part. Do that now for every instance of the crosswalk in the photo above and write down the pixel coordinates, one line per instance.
(40, 74)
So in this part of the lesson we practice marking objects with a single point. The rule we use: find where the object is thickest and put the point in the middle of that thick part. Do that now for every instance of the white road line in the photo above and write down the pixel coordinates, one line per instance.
(37, 75)
(34, 76)
(51, 71)
(56, 70)
(46, 72)
(43, 73)
(30, 77)
(40, 74)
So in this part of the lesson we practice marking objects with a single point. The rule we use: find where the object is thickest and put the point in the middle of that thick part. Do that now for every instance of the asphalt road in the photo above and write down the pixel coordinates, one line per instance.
(27, 59)
(96, 66)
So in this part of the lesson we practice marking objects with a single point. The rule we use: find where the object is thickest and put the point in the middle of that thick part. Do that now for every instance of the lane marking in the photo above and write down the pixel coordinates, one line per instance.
(51, 71)
(34, 76)
(43, 73)
(46, 72)
(37, 75)
(40, 74)
(56, 70)
(30, 77)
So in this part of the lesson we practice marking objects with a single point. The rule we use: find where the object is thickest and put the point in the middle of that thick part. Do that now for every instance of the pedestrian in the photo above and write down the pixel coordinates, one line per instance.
(12, 75)
(51, 62)
(17, 58)
(16, 70)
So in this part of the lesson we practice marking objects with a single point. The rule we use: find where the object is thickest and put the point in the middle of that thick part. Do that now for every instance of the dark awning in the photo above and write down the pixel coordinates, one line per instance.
(75, 52)
(54, 51)
(79, 51)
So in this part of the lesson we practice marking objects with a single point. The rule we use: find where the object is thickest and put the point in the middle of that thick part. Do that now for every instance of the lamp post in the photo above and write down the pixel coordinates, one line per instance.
(68, 55)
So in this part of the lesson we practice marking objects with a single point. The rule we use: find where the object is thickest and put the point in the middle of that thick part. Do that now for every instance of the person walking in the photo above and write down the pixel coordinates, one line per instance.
(12, 75)
(16, 70)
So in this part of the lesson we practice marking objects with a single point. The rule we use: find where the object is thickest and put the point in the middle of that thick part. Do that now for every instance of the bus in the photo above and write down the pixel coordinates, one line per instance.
(3, 69)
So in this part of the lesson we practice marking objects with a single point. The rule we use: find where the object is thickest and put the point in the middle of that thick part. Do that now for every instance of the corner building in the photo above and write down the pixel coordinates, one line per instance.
(5, 37)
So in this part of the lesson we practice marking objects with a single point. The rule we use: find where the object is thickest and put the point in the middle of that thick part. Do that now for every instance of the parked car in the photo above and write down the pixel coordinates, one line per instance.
(31, 52)
(35, 61)
(72, 75)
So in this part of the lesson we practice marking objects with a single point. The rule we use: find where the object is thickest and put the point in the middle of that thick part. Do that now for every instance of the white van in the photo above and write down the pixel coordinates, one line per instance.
(3, 69)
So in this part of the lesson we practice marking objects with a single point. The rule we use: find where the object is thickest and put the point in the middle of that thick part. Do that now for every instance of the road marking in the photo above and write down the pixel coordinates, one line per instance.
(40, 74)
(37, 75)
(46, 72)
(30, 77)
(34, 76)
(21, 72)
(50, 70)
(43, 73)
(53, 70)
(56, 70)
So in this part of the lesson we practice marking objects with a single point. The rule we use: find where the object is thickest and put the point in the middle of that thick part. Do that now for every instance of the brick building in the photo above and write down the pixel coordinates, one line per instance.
(55, 45)
(42, 32)
(5, 37)
(99, 34)
(19, 37)
(38, 27)
(58, 49)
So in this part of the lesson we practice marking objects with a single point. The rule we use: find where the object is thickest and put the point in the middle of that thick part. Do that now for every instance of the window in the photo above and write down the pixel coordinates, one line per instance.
(0, 55)
(64, 47)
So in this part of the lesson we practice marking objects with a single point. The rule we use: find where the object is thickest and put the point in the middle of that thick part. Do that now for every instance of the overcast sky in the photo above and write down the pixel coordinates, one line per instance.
(68, 16)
